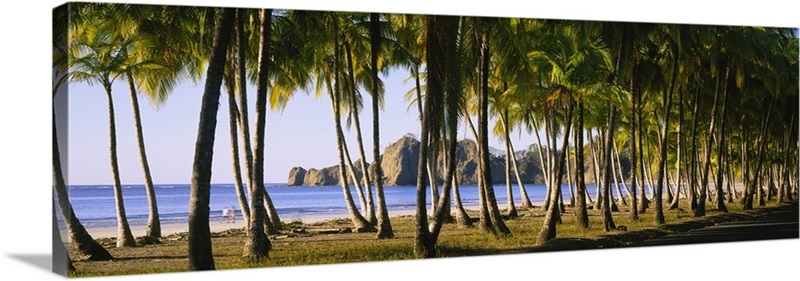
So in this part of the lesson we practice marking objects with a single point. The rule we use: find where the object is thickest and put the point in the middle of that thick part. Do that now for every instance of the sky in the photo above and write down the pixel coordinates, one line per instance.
(303, 134)
(26, 171)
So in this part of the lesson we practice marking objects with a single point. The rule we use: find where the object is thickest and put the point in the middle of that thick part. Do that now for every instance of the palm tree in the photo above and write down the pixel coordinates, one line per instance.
(200, 255)
(384, 224)
(80, 239)
(258, 245)
(443, 94)
(97, 59)
(233, 120)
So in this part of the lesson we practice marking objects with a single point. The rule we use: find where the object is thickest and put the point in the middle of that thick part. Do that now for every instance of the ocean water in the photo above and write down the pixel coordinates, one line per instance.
(94, 204)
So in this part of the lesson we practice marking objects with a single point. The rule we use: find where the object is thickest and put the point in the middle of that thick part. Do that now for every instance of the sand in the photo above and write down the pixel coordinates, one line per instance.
(218, 226)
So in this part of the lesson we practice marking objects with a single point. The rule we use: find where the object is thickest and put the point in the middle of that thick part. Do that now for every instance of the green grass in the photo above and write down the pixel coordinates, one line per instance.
(363, 247)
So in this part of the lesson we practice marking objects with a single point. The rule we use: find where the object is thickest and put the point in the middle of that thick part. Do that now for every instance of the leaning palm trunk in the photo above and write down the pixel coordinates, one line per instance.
(483, 144)
(361, 224)
(351, 170)
(570, 178)
(512, 210)
(200, 254)
(81, 241)
(233, 114)
(124, 235)
(675, 200)
(621, 175)
(367, 205)
(784, 190)
(548, 231)
(755, 182)
(257, 245)
(523, 192)
(662, 160)
(384, 224)
(701, 202)
(616, 184)
(721, 152)
(598, 203)
(462, 218)
(153, 222)
(370, 204)
(484, 221)
(433, 175)
(423, 246)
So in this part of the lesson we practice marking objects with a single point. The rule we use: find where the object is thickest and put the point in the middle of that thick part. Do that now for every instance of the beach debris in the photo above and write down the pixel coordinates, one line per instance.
(298, 230)
(147, 240)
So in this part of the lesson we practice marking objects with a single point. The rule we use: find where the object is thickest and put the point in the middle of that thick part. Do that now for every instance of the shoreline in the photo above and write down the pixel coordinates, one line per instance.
(221, 225)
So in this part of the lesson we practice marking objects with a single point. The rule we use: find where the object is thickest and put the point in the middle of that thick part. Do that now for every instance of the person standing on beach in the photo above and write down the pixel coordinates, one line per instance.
(233, 214)
(225, 214)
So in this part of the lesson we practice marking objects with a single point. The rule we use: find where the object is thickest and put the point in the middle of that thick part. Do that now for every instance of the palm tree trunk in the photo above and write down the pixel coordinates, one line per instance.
(570, 177)
(512, 210)
(545, 165)
(384, 224)
(433, 175)
(663, 143)
(582, 217)
(124, 235)
(81, 241)
(701, 203)
(367, 205)
(362, 200)
(483, 143)
(462, 218)
(756, 182)
(621, 174)
(257, 245)
(616, 182)
(548, 231)
(679, 147)
(361, 224)
(597, 184)
(233, 114)
(721, 149)
(526, 200)
(635, 205)
(200, 254)
(153, 222)
(608, 221)
(484, 221)
(784, 191)
(243, 120)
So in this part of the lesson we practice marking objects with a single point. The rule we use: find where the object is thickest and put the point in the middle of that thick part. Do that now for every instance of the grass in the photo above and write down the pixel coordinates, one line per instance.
(171, 255)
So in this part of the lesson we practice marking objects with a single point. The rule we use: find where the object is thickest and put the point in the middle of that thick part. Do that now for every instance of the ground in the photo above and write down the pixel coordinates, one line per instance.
(331, 242)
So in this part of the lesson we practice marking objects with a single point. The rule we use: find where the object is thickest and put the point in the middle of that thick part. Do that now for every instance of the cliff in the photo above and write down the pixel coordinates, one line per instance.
(400, 167)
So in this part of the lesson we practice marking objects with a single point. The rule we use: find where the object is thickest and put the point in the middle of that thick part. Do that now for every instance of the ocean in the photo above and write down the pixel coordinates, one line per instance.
(94, 204)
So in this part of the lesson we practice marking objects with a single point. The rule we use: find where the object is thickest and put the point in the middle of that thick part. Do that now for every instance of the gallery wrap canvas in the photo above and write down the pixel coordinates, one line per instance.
(191, 138)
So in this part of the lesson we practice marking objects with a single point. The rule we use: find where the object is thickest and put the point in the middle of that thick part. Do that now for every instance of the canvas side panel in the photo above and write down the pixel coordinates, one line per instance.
(61, 261)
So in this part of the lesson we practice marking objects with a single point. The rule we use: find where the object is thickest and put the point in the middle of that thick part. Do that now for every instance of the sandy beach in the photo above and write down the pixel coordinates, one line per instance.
(218, 226)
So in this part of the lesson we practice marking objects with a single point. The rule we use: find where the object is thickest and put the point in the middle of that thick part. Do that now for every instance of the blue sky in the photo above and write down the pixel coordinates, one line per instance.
(301, 135)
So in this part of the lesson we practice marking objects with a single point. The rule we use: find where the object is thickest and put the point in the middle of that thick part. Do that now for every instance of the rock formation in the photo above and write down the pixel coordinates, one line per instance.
(400, 167)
